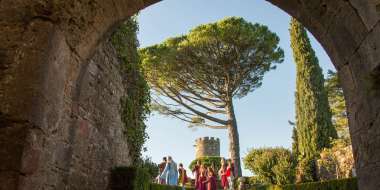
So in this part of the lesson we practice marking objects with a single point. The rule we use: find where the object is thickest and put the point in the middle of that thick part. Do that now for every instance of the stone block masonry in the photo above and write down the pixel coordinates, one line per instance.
(207, 146)
(81, 138)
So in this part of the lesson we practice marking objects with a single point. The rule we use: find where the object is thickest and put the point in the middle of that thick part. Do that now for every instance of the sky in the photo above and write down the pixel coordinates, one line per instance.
(263, 115)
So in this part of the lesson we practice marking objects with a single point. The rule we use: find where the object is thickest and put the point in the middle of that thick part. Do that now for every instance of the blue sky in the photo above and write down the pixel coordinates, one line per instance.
(262, 115)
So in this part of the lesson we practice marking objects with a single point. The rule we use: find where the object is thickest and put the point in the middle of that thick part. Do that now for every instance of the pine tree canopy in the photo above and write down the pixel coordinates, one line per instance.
(206, 68)
(201, 72)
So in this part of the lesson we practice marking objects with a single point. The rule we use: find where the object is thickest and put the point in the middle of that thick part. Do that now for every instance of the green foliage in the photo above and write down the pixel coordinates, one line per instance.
(166, 187)
(336, 162)
(201, 72)
(254, 180)
(341, 184)
(132, 178)
(314, 125)
(208, 161)
(150, 166)
(241, 50)
(126, 43)
(306, 170)
(338, 105)
(295, 144)
(135, 103)
(271, 165)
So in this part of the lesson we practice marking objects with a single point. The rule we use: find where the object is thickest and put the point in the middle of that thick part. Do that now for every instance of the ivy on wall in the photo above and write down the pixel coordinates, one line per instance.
(135, 103)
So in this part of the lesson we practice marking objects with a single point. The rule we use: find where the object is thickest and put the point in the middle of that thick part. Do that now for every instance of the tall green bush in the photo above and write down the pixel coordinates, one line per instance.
(150, 166)
(271, 165)
(313, 116)
(131, 178)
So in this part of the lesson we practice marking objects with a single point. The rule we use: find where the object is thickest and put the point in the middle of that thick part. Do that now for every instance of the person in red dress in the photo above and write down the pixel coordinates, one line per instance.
(223, 176)
(202, 178)
(161, 167)
(182, 179)
(196, 171)
(211, 179)
(230, 175)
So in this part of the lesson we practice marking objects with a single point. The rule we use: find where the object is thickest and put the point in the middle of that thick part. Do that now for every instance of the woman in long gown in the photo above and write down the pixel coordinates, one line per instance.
(182, 176)
(161, 167)
(170, 173)
(196, 171)
(223, 176)
(211, 179)
(202, 178)
(230, 175)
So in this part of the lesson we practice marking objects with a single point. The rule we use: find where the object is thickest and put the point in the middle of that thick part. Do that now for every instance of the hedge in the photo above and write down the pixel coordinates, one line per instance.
(131, 178)
(136, 178)
(339, 184)
(167, 187)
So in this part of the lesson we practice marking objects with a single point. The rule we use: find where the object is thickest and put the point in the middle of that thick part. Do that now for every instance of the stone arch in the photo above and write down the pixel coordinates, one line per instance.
(46, 47)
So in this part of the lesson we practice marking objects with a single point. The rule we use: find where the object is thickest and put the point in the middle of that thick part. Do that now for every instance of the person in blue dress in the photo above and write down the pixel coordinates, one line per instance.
(170, 174)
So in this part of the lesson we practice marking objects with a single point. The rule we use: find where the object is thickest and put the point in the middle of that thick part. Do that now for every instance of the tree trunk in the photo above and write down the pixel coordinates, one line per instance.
(233, 136)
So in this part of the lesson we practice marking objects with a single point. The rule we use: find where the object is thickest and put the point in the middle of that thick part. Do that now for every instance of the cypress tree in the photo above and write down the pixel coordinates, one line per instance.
(295, 142)
(313, 115)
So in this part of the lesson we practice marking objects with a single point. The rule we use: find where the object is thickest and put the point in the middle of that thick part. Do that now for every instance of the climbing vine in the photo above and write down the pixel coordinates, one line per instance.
(135, 102)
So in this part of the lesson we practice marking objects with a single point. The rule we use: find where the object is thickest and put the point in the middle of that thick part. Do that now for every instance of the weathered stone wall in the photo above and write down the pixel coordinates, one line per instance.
(207, 146)
(95, 136)
(58, 110)
(81, 137)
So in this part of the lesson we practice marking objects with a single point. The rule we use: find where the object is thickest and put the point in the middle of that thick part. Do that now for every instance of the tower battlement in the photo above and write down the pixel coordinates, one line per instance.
(207, 146)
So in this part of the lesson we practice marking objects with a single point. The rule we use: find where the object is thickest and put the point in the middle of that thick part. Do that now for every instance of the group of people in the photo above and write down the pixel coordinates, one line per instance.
(169, 174)
(205, 177)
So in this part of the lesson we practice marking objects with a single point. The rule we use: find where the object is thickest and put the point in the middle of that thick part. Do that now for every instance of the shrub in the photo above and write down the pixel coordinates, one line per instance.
(152, 167)
(271, 165)
(209, 161)
(340, 184)
(132, 178)
(336, 162)
(306, 170)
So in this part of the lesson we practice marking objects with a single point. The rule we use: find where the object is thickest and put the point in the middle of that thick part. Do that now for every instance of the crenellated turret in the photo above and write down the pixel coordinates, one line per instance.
(207, 146)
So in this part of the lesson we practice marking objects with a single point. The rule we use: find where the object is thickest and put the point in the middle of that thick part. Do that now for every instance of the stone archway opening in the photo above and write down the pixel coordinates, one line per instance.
(48, 66)
(261, 115)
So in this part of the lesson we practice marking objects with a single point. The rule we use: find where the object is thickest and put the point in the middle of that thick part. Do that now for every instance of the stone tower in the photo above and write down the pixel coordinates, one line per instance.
(207, 146)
